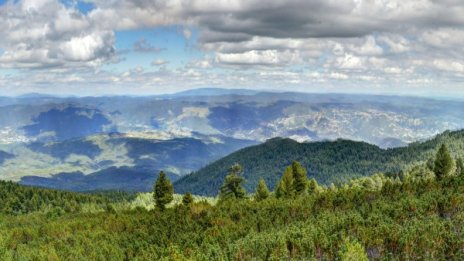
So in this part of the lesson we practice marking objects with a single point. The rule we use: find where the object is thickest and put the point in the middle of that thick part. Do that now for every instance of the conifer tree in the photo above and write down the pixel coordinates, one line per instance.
(300, 180)
(232, 187)
(312, 186)
(163, 191)
(262, 192)
(285, 187)
(187, 199)
(443, 164)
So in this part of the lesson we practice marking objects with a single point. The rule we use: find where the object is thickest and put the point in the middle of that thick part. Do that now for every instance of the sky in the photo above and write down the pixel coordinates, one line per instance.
(139, 47)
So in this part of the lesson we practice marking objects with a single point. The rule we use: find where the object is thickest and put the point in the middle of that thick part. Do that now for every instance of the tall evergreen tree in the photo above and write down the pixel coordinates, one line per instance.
(300, 180)
(262, 192)
(285, 187)
(443, 164)
(232, 187)
(163, 191)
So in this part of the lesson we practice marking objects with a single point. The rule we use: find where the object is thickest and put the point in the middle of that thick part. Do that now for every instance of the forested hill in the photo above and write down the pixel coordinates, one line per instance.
(327, 161)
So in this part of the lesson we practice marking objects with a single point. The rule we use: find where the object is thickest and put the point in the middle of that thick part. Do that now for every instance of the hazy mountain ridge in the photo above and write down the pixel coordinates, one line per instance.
(135, 153)
(381, 120)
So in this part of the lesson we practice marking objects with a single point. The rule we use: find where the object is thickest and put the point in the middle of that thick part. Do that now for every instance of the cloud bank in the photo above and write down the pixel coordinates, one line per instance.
(406, 46)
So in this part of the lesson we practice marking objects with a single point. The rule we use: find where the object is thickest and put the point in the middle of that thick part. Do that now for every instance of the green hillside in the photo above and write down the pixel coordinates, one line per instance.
(327, 161)
(375, 218)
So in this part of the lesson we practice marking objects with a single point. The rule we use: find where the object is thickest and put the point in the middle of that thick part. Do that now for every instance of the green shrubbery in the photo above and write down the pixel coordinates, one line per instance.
(409, 216)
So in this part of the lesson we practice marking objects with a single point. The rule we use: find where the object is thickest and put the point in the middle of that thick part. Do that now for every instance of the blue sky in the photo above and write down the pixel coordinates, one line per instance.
(98, 47)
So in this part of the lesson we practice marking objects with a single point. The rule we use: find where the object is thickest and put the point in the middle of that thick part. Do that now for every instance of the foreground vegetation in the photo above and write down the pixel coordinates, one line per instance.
(416, 214)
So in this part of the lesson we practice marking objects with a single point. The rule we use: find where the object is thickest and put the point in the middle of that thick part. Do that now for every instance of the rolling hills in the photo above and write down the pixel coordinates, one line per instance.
(326, 161)
(111, 161)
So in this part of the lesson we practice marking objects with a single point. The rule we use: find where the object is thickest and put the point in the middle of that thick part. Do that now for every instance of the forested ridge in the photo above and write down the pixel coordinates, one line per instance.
(417, 214)
(326, 161)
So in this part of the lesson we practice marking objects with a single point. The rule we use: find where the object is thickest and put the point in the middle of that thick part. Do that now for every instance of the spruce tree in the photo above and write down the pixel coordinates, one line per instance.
(285, 187)
(262, 192)
(163, 191)
(300, 180)
(187, 199)
(443, 164)
(232, 187)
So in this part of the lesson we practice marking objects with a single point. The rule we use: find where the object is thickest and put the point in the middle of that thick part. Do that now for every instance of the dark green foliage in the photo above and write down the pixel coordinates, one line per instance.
(163, 191)
(17, 199)
(327, 161)
(300, 180)
(262, 192)
(381, 217)
(232, 187)
(410, 220)
(443, 162)
(187, 199)
(294, 182)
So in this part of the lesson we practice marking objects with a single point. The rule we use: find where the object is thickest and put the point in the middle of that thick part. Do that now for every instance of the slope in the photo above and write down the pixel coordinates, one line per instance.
(327, 161)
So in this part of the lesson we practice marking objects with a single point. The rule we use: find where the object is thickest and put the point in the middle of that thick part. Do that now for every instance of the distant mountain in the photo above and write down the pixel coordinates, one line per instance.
(211, 92)
(386, 121)
(117, 161)
(327, 161)
(114, 178)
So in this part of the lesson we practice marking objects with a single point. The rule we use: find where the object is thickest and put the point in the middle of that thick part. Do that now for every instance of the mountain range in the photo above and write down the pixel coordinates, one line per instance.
(114, 142)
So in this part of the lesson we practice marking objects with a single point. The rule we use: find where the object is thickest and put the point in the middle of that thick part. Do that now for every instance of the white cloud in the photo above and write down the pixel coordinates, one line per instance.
(37, 34)
(159, 62)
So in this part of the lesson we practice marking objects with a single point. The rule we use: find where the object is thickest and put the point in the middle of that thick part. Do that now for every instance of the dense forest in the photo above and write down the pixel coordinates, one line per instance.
(418, 214)
(326, 161)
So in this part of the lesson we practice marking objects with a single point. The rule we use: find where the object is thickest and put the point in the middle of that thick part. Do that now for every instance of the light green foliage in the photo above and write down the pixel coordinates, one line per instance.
(262, 192)
(352, 251)
(459, 167)
(285, 186)
(147, 201)
(163, 191)
(313, 187)
(444, 163)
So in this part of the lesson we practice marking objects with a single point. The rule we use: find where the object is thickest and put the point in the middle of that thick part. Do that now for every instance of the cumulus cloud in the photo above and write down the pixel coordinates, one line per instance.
(46, 33)
(325, 39)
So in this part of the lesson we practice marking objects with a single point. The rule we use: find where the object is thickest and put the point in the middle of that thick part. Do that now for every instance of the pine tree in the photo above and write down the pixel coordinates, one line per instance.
(313, 187)
(459, 167)
(262, 192)
(187, 199)
(232, 187)
(443, 164)
(300, 180)
(163, 191)
(285, 187)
